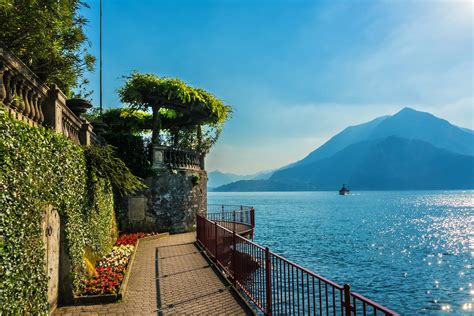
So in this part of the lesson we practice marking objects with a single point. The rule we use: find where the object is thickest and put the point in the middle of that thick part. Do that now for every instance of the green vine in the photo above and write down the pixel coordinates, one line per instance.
(103, 163)
(37, 168)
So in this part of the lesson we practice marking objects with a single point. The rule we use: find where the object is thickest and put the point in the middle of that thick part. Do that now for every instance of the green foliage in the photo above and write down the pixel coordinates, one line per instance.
(100, 214)
(124, 121)
(144, 91)
(134, 151)
(195, 179)
(103, 163)
(125, 129)
(37, 168)
(174, 99)
(188, 138)
(48, 36)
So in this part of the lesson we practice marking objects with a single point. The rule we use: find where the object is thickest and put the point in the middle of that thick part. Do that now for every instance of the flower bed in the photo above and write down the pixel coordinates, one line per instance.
(111, 269)
(109, 272)
(131, 239)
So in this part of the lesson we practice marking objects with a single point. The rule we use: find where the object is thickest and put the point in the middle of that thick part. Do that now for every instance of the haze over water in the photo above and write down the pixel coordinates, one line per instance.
(410, 251)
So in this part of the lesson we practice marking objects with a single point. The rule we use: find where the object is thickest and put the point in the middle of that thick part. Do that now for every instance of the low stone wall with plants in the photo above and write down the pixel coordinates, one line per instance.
(37, 168)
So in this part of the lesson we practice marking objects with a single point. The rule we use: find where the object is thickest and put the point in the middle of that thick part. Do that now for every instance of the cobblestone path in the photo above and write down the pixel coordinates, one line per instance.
(169, 277)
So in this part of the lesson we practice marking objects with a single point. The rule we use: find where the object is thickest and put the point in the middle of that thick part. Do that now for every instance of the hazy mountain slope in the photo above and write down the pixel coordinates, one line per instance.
(408, 150)
(350, 135)
(407, 123)
(217, 178)
(264, 185)
(412, 124)
(387, 164)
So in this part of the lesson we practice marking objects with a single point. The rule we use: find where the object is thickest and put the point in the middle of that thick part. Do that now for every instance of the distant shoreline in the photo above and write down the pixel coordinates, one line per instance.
(353, 192)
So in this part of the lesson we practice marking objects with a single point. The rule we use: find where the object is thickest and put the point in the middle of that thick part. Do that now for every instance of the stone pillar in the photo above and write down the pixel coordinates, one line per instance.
(52, 109)
(158, 158)
(85, 134)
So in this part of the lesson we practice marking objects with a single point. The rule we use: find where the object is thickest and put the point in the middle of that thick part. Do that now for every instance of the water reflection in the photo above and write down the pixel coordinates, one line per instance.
(412, 251)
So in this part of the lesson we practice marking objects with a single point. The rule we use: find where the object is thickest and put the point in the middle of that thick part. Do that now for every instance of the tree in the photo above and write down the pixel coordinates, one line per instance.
(173, 100)
(48, 36)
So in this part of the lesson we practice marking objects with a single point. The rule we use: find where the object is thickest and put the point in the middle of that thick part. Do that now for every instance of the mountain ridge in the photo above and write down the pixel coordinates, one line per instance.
(437, 137)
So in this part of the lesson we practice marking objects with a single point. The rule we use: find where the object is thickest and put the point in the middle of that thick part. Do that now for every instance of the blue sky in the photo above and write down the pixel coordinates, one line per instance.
(296, 72)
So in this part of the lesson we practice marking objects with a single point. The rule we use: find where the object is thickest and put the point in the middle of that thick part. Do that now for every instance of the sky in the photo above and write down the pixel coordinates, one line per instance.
(295, 72)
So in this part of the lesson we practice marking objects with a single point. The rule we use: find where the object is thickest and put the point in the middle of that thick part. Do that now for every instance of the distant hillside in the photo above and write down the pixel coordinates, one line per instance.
(409, 150)
(390, 163)
(407, 123)
(263, 185)
(217, 178)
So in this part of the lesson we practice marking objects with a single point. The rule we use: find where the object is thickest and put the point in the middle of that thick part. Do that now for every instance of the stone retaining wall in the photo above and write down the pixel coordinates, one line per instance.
(169, 204)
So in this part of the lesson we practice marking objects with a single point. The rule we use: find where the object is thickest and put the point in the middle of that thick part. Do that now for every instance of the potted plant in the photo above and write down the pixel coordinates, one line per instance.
(79, 102)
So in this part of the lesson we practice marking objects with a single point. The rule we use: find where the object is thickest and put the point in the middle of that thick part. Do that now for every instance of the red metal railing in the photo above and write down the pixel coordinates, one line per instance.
(274, 284)
(236, 218)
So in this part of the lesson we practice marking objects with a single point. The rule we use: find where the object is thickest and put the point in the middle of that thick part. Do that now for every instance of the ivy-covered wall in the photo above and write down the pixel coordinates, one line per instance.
(39, 167)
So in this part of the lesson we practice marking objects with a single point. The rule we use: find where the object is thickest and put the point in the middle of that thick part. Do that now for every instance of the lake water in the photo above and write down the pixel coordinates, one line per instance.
(410, 251)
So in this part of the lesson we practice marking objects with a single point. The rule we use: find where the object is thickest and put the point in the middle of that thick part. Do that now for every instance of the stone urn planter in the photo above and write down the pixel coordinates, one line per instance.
(78, 106)
(99, 126)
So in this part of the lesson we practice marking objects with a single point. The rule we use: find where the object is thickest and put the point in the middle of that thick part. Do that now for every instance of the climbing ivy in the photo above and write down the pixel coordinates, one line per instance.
(37, 168)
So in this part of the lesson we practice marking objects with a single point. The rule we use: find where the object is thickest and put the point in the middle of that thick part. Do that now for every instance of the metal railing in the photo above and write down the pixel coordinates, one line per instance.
(274, 284)
(236, 218)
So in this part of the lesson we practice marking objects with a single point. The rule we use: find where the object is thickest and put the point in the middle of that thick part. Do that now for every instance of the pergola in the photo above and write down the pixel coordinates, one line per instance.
(174, 104)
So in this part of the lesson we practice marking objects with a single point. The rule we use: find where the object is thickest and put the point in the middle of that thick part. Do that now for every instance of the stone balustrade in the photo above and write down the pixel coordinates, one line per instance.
(20, 90)
(174, 158)
(27, 99)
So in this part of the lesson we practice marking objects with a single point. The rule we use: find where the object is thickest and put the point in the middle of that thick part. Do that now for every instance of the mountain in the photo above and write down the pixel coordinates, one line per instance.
(408, 123)
(409, 150)
(390, 163)
(264, 185)
(217, 178)
(348, 136)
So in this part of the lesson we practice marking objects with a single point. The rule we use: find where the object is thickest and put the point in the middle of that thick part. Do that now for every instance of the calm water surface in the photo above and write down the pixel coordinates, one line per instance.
(410, 251)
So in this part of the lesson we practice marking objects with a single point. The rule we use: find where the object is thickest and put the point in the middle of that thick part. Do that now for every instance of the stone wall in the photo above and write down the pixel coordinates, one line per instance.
(169, 204)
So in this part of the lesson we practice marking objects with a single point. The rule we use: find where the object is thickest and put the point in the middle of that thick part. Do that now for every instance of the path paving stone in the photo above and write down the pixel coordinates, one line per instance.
(170, 276)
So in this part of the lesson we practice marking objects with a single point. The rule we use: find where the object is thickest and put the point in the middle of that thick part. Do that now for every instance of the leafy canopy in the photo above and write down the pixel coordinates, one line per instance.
(48, 36)
(145, 91)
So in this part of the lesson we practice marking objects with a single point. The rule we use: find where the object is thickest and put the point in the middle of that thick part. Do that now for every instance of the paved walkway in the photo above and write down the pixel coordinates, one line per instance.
(169, 277)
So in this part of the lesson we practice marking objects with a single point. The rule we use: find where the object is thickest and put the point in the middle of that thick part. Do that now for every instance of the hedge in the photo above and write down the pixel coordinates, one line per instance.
(39, 167)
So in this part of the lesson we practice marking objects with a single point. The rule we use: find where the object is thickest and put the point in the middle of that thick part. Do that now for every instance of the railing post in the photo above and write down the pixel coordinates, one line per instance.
(215, 235)
(347, 299)
(268, 283)
(252, 217)
(233, 221)
(222, 212)
(232, 259)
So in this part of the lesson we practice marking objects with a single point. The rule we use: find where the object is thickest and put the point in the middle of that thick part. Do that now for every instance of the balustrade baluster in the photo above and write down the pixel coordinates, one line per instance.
(39, 100)
(24, 96)
(14, 102)
(8, 88)
(3, 90)
(19, 97)
(31, 103)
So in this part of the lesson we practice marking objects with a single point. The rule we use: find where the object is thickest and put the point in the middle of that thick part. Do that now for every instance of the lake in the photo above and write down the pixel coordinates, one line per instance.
(410, 251)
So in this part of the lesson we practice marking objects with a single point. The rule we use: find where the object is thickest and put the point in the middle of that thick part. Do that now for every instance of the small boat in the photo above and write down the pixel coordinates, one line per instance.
(344, 190)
